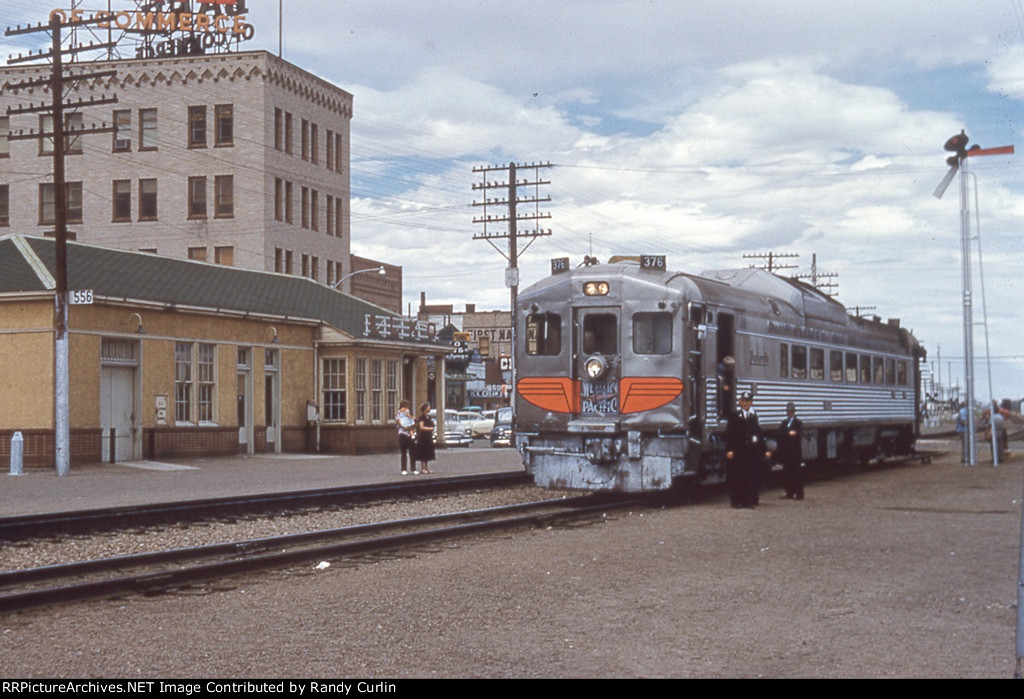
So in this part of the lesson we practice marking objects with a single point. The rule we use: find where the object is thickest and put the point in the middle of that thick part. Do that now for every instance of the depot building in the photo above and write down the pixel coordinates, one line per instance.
(174, 358)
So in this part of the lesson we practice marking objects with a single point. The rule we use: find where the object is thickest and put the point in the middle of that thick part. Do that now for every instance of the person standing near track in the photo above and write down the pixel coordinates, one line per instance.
(424, 451)
(744, 454)
(406, 424)
(791, 453)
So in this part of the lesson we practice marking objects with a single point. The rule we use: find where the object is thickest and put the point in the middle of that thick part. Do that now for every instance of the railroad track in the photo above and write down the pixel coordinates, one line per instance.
(20, 527)
(161, 571)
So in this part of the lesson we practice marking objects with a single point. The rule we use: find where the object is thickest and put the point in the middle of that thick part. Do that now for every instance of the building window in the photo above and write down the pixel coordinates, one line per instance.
(224, 255)
(147, 200)
(360, 389)
(377, 389)
(224, 116)
(392, 387)
(197, 197)
(197, 127)
(305, 265)
(278, 260)
(314, 268)
(314, 210)
(278, 134)
(46, 134)
(121, 204)
(205, 375)
(287, 261)
(194, 382)
(314, 143)
(330, 273)
(198, 254)
(72, 141)
(288, 133)
(183, 382)
(305, 207)
(122, 130)
(48, 207)
(224, 196)
(330, 149)
(278, 199)
(338, 163)
(305, 140)
(147, 129)
(334, 390)
(5, 205)
(287, 202)
(5, 132)
(330, 215)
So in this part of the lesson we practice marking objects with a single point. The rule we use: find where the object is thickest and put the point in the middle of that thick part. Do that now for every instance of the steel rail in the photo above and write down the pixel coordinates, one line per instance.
(274, 552)
(17, 527)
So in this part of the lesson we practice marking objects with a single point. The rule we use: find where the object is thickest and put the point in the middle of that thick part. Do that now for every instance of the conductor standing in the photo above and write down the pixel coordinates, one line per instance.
(791, 454)
(745, 452)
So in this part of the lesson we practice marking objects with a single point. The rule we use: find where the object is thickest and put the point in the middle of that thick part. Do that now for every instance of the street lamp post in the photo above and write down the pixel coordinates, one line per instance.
(379, 270)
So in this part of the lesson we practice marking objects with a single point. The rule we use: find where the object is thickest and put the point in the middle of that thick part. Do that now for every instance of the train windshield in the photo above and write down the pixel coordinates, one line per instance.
(600, 334)
(544, 334)
(652, 333)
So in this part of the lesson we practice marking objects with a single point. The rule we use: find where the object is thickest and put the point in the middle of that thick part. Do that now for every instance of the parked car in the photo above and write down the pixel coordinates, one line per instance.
(501, 433)
(456, 432)
(479, 425)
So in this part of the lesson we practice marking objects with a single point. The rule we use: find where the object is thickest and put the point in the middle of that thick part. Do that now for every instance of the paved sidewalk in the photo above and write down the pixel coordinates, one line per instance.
(140, 482)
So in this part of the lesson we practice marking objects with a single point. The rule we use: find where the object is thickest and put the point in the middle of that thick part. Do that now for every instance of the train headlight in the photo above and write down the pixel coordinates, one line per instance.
(595, 366)
(595, 288)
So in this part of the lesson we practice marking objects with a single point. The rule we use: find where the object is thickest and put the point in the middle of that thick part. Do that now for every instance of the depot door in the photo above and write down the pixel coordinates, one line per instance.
(117, 411)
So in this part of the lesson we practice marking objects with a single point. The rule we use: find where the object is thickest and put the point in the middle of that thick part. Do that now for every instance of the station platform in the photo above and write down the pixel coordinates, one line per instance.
(143, 482)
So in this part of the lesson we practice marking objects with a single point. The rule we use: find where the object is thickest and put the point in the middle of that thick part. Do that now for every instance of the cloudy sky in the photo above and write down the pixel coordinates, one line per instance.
(702, 130)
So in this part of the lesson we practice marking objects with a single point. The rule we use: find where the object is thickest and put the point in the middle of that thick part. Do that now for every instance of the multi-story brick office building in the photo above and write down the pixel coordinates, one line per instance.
(238, 158)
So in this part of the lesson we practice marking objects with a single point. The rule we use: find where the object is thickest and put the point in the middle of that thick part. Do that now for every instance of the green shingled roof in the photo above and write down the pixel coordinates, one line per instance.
(122, 274)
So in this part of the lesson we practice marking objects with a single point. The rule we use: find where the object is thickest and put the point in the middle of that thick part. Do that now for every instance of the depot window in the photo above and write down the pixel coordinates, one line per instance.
(652, 333)
(600, 334)
(543, 334)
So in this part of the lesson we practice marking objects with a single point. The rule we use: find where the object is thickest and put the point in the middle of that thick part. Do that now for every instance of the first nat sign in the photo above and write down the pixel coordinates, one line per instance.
(80, 298)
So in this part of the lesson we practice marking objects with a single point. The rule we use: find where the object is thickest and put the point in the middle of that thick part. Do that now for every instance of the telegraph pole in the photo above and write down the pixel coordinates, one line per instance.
(771, 257)
(816, 278)
(60, 134)
(511, 200)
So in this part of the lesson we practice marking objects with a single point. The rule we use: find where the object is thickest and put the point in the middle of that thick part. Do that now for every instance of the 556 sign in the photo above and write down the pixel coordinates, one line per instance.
(80, 298)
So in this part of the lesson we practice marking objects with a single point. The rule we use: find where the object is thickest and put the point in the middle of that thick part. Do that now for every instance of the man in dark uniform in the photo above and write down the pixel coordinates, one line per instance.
(791, 454)
(744, 454)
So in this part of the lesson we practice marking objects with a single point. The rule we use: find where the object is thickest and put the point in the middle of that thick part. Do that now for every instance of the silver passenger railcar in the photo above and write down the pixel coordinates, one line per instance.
(627, 372)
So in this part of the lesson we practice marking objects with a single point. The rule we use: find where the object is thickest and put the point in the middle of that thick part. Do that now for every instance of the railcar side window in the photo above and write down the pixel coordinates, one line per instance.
(652, 333)
(890, 372)
(600, 334)
(784, 360)
(865, 368)
(817, 363)
(851, 367)
(901, 373)
(799, 362)
(878, 370)
(544, 334)
(835, 365)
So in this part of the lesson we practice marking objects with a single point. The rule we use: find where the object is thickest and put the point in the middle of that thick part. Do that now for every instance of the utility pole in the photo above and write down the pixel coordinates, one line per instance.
(816, 277)
(60, 135)
(772, 266)
(510, 202)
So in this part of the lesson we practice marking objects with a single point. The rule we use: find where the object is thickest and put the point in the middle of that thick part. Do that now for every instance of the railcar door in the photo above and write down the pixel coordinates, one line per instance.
(598, 360)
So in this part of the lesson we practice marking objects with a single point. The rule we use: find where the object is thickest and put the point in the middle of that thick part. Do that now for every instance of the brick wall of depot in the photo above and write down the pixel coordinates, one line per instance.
(189, 442)
(344, 439)
(38, 448)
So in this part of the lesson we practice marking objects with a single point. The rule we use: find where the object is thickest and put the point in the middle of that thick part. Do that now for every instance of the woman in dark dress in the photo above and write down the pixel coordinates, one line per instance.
(423, 451)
